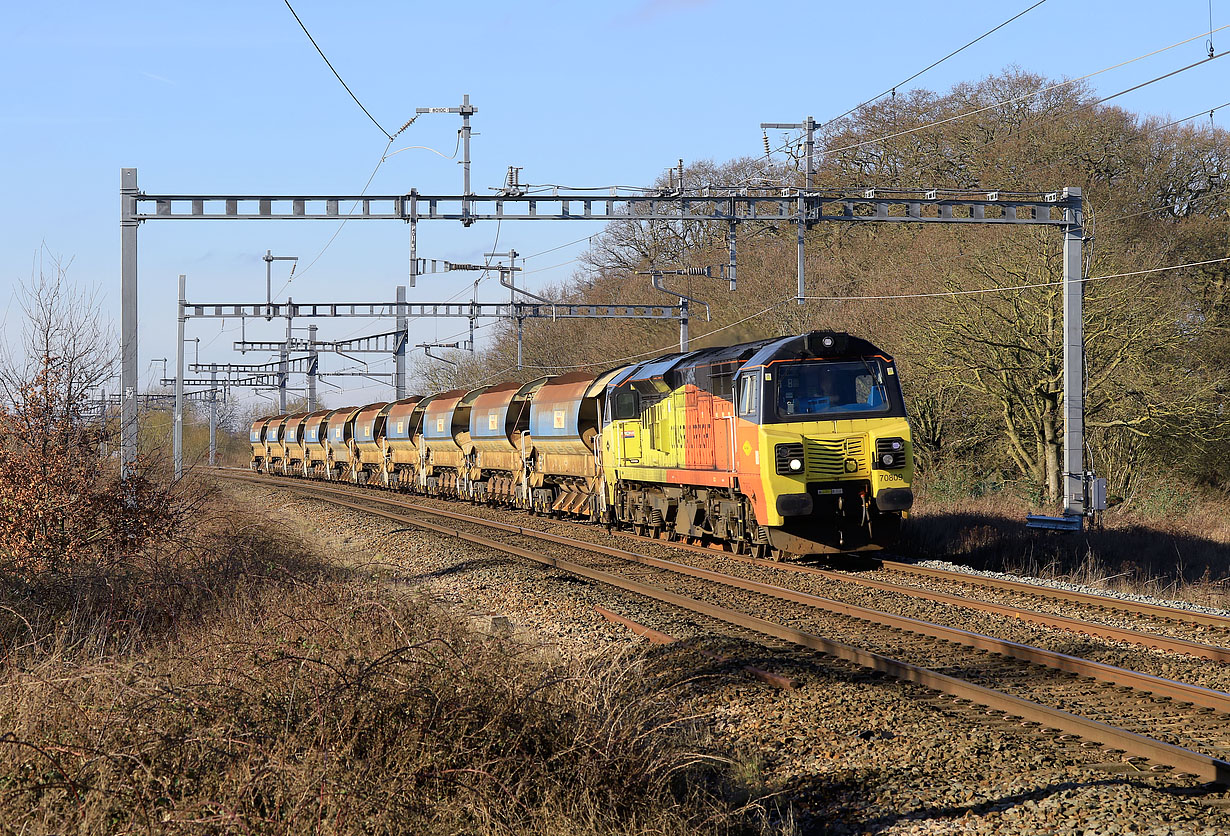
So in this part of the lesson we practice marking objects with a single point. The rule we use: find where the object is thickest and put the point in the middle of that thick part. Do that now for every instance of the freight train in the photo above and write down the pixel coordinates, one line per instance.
(779, 448)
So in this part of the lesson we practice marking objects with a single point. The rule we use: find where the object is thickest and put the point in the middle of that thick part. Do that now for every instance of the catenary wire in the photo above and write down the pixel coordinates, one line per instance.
(932, 66)
(1022, 97)
(1038, 92)
(1007, 288)
(560, 247)
(1095, 103)
(893, 89)
(1172, 206)
(1209, 111)
(452, 156)
(335, 73)
(654, 351)
(340, 226)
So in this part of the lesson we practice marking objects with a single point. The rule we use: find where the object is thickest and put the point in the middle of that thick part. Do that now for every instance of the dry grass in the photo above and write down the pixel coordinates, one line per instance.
(1173, 542)
(273, 693)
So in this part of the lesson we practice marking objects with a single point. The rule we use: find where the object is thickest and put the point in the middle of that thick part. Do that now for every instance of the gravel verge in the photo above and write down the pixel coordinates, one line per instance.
(1053, 583)
(854, 752)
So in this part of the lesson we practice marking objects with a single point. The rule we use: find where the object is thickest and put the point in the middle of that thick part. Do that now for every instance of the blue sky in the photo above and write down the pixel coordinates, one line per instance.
(230, 97)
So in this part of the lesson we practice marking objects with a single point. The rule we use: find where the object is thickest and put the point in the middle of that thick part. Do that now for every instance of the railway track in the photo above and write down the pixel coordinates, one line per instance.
(1085, 613)
(1198, 626)
(1188, 633)
(1170, 723)
(1155, 626)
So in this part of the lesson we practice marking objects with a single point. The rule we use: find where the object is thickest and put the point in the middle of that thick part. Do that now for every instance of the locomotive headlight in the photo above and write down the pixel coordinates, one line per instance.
(890, 453)
(788, 459)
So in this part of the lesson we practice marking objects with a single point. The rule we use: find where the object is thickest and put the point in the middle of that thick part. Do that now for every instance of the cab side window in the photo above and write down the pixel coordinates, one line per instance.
(749, 392)
(626, 405)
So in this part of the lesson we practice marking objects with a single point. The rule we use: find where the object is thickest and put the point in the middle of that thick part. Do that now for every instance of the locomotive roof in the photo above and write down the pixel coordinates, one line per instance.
(755, 353)
(827, 345)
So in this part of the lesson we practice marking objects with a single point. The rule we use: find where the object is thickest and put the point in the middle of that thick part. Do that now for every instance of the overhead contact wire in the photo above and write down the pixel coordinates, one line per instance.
(932, 66)
(1038, 92)
(335, 73)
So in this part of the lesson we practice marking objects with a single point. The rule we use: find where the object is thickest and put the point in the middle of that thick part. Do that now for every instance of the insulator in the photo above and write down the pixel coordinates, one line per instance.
(766, 143)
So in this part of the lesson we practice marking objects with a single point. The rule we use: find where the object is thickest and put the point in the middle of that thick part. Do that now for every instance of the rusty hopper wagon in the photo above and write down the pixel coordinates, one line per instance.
(500, 441)
(780, 447)
(256, 437)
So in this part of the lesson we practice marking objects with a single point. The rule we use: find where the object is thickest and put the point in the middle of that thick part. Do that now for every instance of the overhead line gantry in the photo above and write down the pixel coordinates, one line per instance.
(802, 207)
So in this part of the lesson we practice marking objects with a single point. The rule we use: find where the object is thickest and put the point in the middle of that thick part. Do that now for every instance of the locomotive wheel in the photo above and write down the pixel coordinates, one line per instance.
(638, 529)
(760, 551)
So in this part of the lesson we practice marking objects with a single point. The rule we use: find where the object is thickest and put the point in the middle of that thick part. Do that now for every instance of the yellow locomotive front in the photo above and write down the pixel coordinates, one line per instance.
(787, 446)
(837, 462)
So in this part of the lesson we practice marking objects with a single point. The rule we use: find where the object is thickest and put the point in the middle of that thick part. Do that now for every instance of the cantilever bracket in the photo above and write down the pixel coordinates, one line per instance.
(655, 279)
(427, 347)
(507, 282)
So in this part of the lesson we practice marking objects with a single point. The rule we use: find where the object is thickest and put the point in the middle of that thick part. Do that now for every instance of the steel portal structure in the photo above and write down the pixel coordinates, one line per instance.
(730, 205)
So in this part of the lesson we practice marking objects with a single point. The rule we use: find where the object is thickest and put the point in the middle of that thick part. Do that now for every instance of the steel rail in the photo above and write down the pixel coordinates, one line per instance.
(1170, 644)
(1106, 631)
(1203, 766)
(1160, 611)
(1146, 683)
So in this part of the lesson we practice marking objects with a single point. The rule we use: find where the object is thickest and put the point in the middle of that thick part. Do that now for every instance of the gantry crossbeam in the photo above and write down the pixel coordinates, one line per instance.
(714, 204)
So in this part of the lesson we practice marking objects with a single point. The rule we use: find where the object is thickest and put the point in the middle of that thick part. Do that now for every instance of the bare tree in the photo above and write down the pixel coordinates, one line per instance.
(63, 335)
(64, 505)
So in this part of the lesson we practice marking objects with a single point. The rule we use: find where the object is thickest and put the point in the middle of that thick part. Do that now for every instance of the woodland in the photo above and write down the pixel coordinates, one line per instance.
(982, 370)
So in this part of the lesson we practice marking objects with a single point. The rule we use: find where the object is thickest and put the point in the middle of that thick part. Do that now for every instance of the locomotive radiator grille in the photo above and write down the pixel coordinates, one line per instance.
(826, 457)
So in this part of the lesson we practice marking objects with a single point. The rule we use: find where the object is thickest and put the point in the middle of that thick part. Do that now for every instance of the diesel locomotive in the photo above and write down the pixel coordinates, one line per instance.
(780, 447)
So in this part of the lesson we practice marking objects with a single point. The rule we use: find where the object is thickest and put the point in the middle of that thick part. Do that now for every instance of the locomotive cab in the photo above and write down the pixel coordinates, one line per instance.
(788, 446)
(826, 415)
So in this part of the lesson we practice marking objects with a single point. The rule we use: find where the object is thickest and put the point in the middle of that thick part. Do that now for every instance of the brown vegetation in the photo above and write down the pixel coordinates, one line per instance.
(63, 509)
(1172, 542)
(303, 700)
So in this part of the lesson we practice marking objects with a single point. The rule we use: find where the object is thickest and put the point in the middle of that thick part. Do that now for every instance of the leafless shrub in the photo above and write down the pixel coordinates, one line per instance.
(324, 707)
